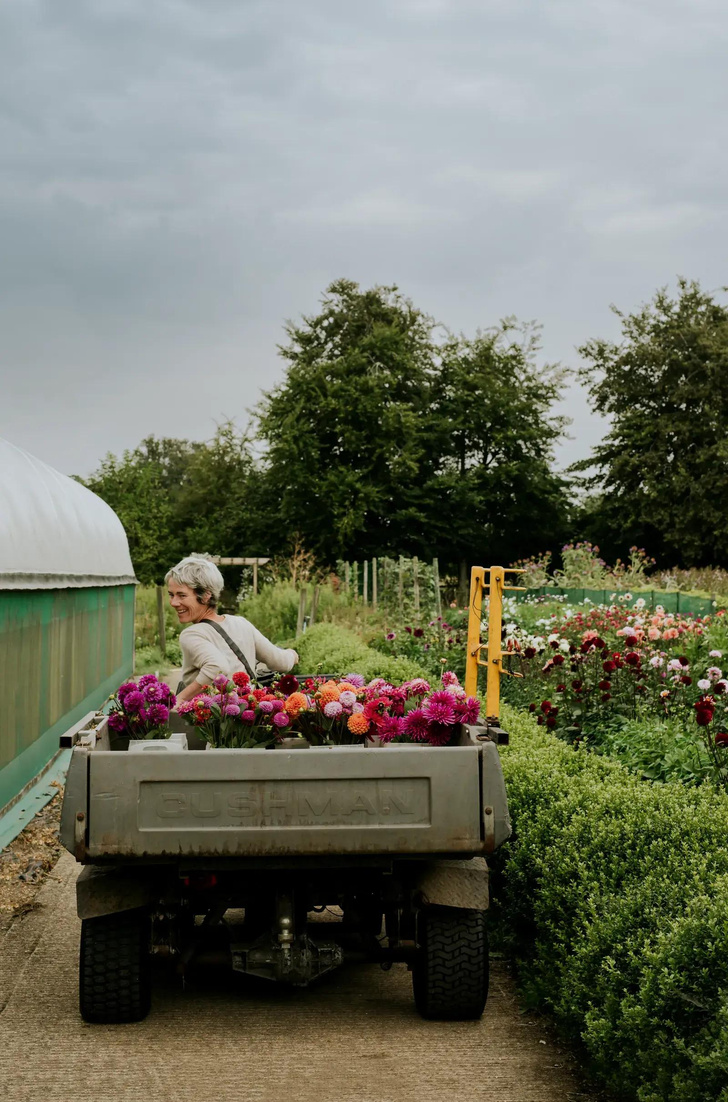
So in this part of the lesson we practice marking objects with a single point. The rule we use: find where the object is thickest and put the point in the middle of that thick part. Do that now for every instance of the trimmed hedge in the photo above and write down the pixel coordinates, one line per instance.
(614, 895)
(327, 648)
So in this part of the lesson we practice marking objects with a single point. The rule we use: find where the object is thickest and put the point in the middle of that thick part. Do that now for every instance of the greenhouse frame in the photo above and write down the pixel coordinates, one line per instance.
(66, 612)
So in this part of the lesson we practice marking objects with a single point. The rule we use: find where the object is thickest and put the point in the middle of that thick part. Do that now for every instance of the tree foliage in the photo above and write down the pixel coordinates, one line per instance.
(660, 475)
(382, 439)
(176, 496)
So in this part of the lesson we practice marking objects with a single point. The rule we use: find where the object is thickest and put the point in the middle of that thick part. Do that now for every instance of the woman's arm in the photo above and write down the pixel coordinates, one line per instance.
(193, 689)
(274, 657)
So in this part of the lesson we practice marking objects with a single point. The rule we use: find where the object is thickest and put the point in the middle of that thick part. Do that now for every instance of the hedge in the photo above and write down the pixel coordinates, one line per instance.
(613, 893)
(327, 648)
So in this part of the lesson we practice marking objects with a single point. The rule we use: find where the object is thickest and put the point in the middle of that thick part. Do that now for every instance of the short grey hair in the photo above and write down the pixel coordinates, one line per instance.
(200, 574)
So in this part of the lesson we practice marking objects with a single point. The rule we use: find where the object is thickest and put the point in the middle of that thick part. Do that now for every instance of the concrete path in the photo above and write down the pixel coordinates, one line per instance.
(354, 1037)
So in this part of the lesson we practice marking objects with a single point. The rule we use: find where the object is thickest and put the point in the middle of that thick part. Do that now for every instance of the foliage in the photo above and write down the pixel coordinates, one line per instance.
(346, 430)
(146, 623)
(664, 388)
(379, 439)
(613, 894)
(328, 649)
(491, 431)
(435, 646)
(583, 568)
(173, 496)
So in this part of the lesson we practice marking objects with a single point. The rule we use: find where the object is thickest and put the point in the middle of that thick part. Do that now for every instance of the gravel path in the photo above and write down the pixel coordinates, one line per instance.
(353, 1036)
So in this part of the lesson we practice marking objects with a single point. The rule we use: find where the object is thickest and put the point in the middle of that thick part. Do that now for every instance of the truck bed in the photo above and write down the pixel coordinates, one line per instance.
(324, 801)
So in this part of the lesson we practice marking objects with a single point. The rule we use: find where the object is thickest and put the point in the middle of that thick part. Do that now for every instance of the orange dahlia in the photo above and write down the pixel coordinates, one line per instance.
(358, 724)
(329, 691)
(345, 687)
(295, 703)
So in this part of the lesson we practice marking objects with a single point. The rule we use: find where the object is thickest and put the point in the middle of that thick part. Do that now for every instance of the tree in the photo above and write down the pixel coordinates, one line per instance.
(493, 432)
(660, 474)
(176, 496)
(345, 432)
(380, 440)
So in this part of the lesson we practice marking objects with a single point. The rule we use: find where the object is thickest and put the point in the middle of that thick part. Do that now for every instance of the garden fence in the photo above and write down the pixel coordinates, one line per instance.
(671, 600)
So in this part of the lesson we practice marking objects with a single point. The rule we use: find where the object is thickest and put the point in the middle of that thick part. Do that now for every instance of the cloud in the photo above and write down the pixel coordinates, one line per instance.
(177, 178)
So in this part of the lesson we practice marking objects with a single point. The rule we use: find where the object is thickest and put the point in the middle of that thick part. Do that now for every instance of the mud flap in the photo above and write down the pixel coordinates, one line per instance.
(105, 891)
(462, 884)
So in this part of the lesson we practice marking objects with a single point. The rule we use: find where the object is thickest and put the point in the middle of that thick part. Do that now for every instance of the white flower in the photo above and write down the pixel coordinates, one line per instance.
(640, 602)
(564, 646)
(704, 684)
(659, 608)
(714, 673)
(674, 664)
(553, 637)
(724, 684)
(715, 654)
(657, 661)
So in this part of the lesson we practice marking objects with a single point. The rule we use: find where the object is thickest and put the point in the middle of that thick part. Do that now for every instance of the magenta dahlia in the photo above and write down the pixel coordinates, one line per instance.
(440, 707)
(417, 725)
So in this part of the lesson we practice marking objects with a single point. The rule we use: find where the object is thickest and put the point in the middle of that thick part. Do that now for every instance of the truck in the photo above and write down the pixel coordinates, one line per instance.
(188, 854)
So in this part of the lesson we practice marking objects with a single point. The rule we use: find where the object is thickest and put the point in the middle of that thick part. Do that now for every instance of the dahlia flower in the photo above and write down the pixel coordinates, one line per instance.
(440, 708)
(333, 709)
(391, 728)
(417, 725)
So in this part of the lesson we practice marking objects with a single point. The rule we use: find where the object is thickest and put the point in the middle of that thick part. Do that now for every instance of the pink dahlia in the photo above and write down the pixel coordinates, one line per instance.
(157, 714)
(417, 725)
(117, 722)
(417, 687)
(333, 709)
(468, 711)
(134, 702)
(439, 734)
(248, 716)
(280, 719)
(440, 708)
(450, 678)
(266, 706)
(123, 691)
(356, 680)
(147, 679)
(391, 727)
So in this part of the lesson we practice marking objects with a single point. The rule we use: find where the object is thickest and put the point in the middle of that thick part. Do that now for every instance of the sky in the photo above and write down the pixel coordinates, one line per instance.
(178, 178)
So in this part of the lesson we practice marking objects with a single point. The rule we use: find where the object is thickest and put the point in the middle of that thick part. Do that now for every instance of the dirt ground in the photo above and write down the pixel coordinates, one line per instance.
(352, 1037)
(26, 862)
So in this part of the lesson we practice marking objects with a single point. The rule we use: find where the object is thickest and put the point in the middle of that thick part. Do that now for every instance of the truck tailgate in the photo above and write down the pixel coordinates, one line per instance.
(263, 803)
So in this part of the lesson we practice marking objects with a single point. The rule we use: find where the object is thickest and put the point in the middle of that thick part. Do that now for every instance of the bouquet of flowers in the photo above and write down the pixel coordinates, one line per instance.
(140, 709)
(329, 712)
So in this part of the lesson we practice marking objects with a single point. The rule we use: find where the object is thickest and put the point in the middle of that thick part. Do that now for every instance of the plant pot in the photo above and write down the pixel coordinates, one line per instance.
(292, 744)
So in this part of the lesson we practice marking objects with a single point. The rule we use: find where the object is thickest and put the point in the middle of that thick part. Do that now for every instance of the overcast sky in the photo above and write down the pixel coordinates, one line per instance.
(177, 177)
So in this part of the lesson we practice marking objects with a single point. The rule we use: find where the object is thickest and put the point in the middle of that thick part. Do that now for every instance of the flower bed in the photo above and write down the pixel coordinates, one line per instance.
(613, 894)
(325, 711)
(594, 670)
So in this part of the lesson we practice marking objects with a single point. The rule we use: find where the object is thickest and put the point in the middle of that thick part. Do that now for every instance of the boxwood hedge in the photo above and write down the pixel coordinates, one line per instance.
(330, 649)
(613, 893)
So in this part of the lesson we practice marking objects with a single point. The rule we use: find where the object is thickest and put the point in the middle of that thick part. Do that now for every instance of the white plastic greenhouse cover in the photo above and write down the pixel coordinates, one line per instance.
(54, 533)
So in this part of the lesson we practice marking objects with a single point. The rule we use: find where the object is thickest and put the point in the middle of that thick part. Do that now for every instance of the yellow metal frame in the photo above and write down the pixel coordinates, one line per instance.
(490, 580)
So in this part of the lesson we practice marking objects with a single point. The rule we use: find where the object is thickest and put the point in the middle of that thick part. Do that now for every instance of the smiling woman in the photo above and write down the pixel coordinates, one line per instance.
(213, 644)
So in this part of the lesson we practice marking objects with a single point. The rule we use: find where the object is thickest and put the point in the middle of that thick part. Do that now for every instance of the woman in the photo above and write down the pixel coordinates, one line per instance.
(213, 644)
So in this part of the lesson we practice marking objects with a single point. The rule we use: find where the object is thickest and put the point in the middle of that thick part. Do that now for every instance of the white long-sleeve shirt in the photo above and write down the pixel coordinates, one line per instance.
(206, 655)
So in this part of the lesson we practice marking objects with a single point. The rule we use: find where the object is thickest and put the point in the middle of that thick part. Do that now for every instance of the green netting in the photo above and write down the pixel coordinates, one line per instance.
(670, 600)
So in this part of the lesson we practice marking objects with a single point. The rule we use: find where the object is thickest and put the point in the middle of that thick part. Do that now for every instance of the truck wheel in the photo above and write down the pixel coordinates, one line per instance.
(450, 974)
(114, 972)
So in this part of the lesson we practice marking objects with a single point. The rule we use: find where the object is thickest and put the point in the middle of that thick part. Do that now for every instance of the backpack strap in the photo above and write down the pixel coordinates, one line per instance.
(233, 647)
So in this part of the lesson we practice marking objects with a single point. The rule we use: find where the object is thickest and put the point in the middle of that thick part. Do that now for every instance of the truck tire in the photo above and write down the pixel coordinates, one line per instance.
(115, 967)
(450, 974)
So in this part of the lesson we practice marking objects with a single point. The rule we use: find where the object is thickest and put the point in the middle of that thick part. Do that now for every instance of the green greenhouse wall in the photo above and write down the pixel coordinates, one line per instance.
(62, 652)
(670, 600)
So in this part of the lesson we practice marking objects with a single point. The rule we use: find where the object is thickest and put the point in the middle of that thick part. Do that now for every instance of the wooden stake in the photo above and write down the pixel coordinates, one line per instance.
(314, 604)
(436, 580)
(356, 580)
(416, 581)
(366, 582)
(374, 583)
(161, 626)
(401, 584)
(347, 576)
(301, 611)
(255, 578)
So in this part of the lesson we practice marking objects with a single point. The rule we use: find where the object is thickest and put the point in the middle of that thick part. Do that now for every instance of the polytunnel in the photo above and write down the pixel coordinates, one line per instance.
(66, 611)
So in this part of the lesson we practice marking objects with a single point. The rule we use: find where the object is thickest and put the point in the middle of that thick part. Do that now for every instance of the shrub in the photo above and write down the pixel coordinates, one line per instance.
(330, 649)
(613, 895)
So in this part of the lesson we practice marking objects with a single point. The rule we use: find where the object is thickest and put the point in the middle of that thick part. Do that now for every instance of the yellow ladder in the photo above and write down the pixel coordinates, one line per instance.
(490, 580)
